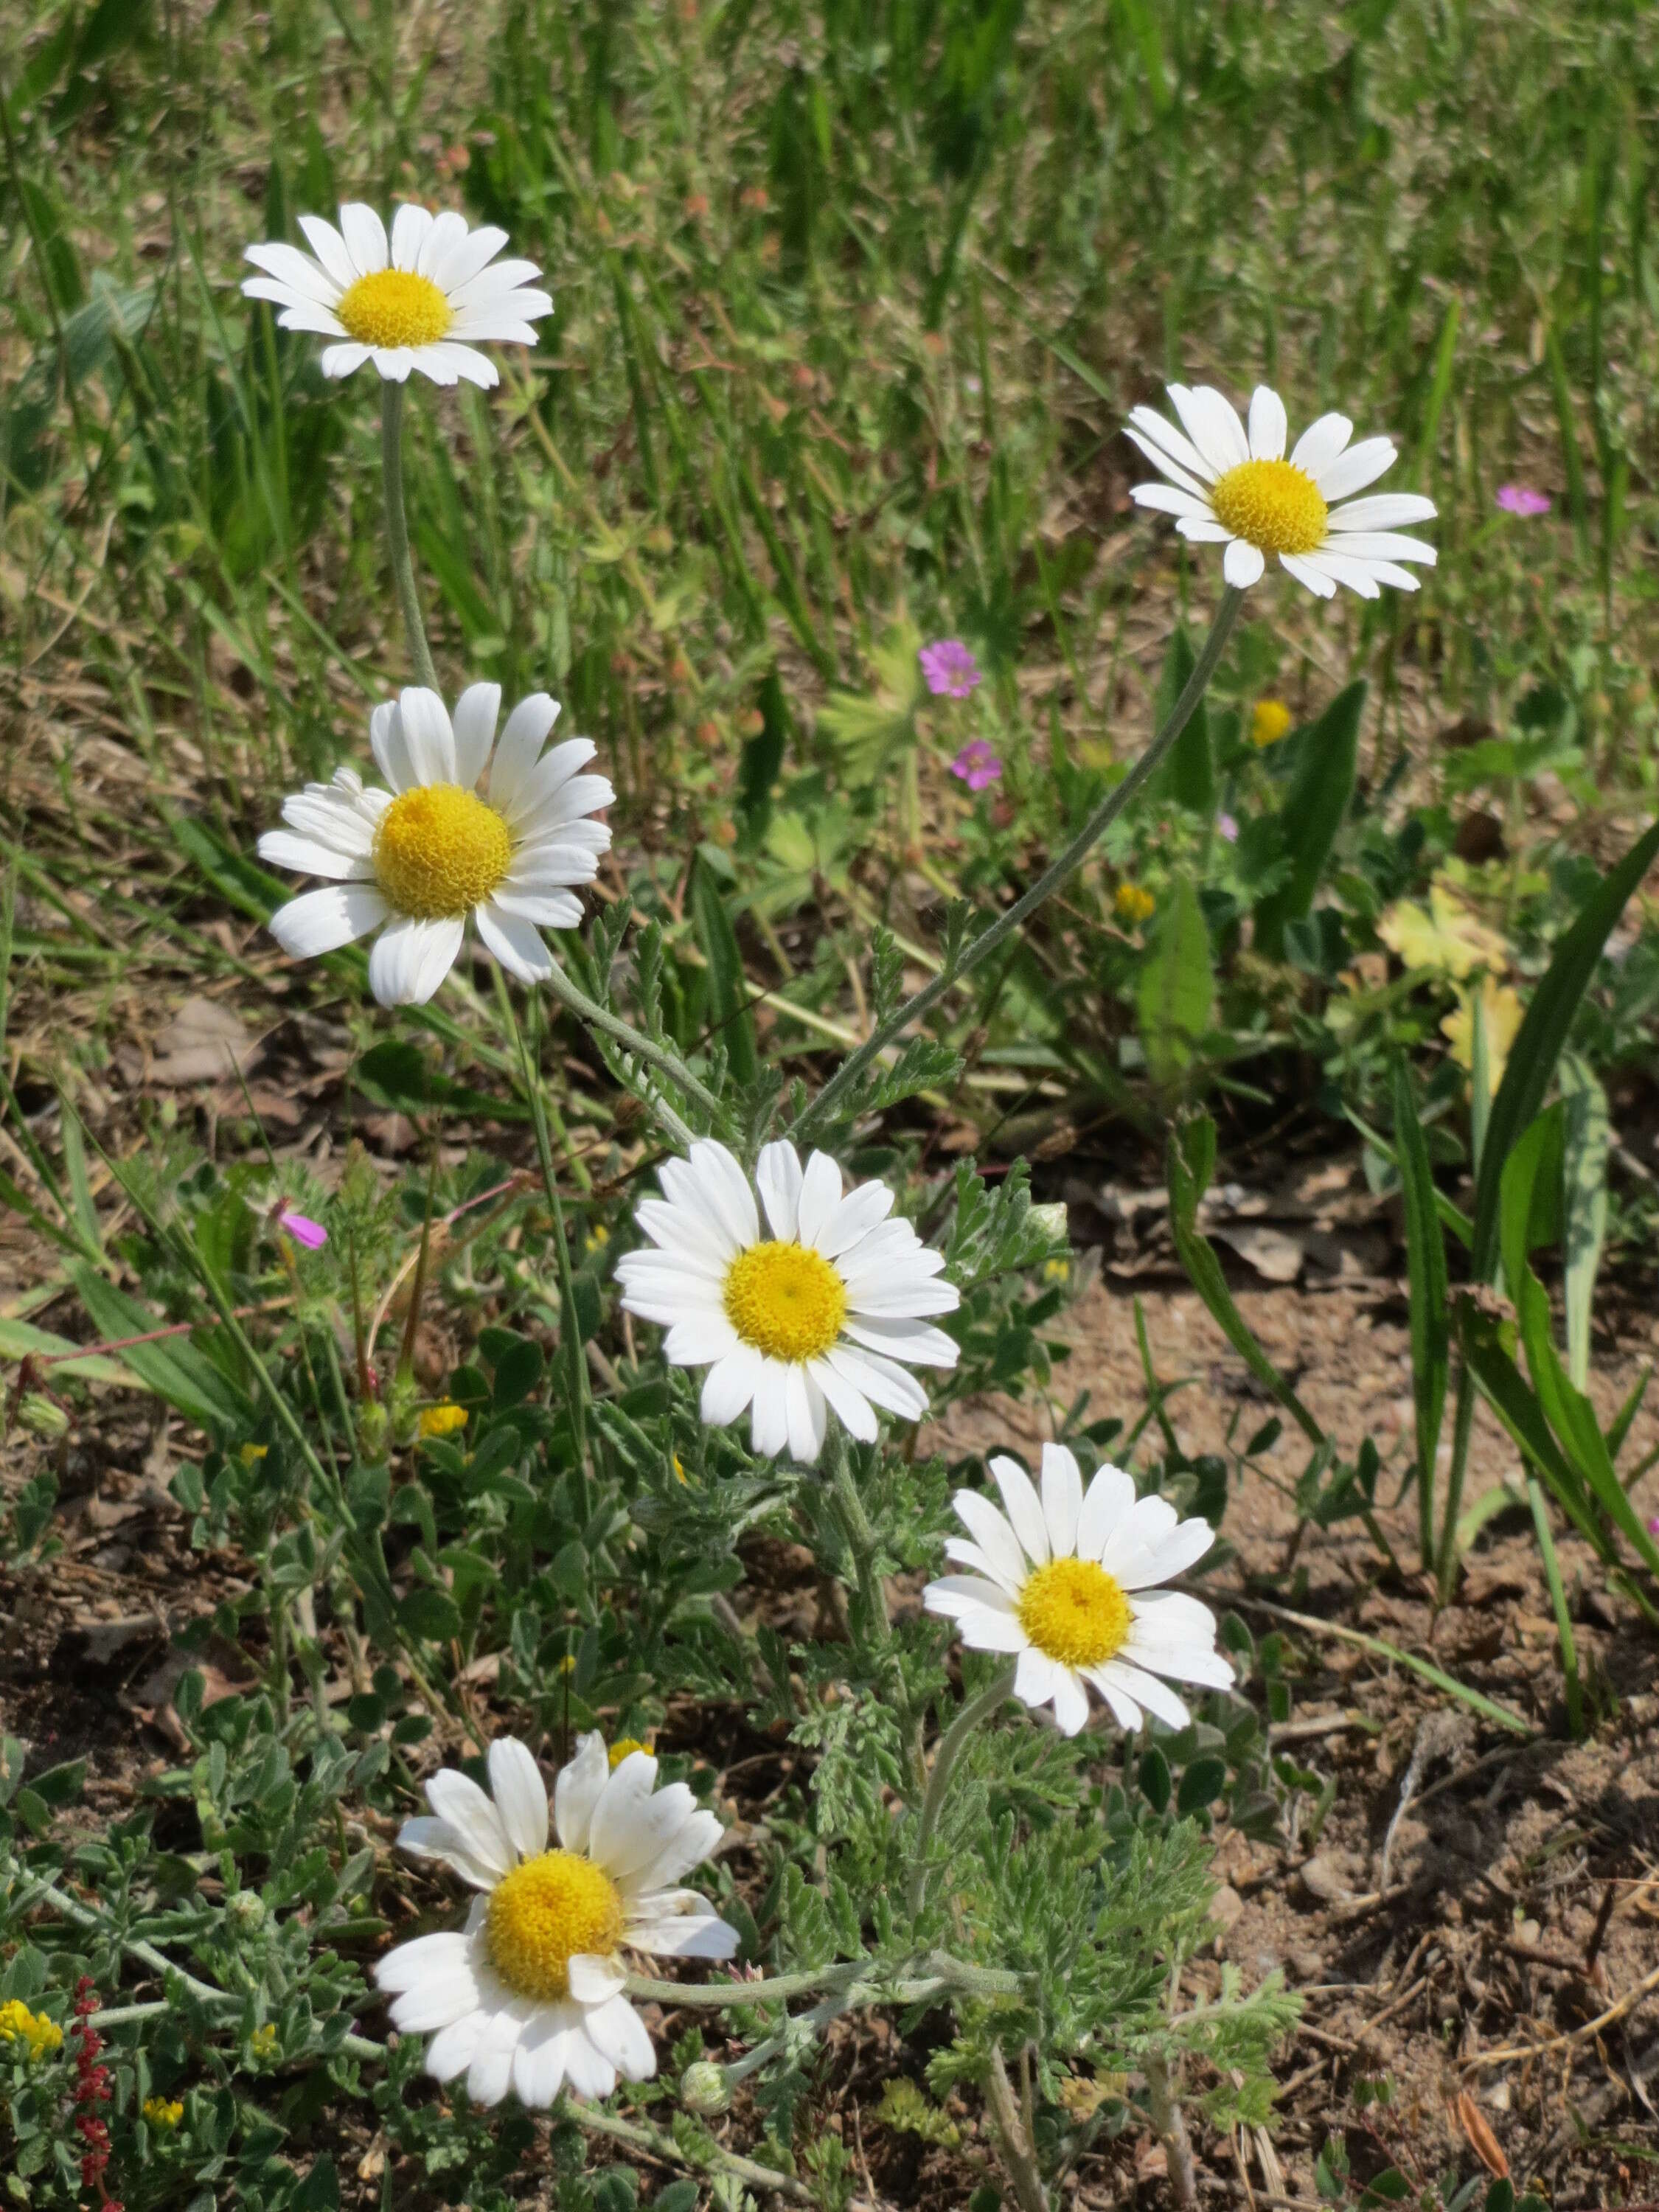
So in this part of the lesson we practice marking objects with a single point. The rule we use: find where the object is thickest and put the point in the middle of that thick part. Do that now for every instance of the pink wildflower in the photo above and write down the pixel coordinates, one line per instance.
(977, 764)
(1522, 499)
(302, 1229)
(950, 671)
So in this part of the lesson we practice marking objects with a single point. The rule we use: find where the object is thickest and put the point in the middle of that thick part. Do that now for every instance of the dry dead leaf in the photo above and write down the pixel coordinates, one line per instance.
(1482, 2141)
(204, 1042)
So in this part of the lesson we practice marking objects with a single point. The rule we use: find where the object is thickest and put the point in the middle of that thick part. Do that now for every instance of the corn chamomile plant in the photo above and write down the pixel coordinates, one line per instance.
(992, 1806)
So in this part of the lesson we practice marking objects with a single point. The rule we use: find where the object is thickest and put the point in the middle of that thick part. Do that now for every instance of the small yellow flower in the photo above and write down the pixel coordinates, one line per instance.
(622, 1747)
(568, 1664)
(1134, 905)
(19, 2025)
(597, 1238)
(263, 2041)
(1269, 722)
(1057, 1271)
(679, 1471)
(443, 1420)
(1501, 1008)
(250, 1455)
(163, 2113)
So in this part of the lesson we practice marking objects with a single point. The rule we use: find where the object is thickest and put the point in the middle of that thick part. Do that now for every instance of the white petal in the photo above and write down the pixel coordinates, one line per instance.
(1124, 1709)
(1320, 444)
(1184, 1663)
(1268, 427)
(447, 235)
(1034, 1677)
(385, 737)
(429, 738)
(729, 1387)
(539, 780)
(956, 1595)
(1384, 510)
(706, 1937)
(515, 941)
(450, 2053)
(475, 711)
(504, 323)
(1106, 1504)
(461, 1805)
(881, 1381)
(443, 1995)
(577, 1791)
(322, 921)
(1243, 563)
(820, 1195)
(490, 2073)
(435, 1839)
(466, 257)
(986, 1630)
(651, 1826)
(406, 1966)
(1212, 425)
(726, 1189)
(1352, 471)
(411, 958)
(617, 2033)
(1023, 1509)
(490, 284)
(330, 248)
(963, 1553)
(595, 1981)
(1071, 1702)
(1379, 545)
(698, 1340)
(1170, 499)
(313, 858)
(539, 2057)
(1171, 1617)
(768, 1414)
(808, 1417)
(522, 740)
(1315, 580)
(297, 271)
(588, 2072)
(850, 1407)
(365, 238)
(1359, 576)
(411, 226)
(340, 359)
(446, 362)
(1159, 1700)
(521, 1795)
(993, 1536)
(778, 1179)
(1166, 448)
(543, 910)
(859, 1215)
(697, 1840)
(300, 314)
(901, 1338)
(1203, 530)
(1062, 1498)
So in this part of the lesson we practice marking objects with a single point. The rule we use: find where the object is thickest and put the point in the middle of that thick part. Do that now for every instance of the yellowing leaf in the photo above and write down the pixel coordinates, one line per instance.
(1447, 939)
(1502, 1009)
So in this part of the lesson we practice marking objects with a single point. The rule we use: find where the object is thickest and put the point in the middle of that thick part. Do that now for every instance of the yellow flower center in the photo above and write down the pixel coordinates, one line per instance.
(786, 1300)
(545, 1913)
(624, 1747)
(439, 850)
(1273, 504)
(395, 308)
(1073, 1611)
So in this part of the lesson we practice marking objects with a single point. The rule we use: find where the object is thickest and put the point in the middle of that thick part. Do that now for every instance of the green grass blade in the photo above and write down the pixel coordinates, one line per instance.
(1427, 1288)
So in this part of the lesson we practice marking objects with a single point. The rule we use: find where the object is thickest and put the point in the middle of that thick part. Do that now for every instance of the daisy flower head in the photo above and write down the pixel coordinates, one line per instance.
(528, 1995)
(814, 1311)
(422, 298)
(1060, 1577)
(1233, 487)
(416, 860)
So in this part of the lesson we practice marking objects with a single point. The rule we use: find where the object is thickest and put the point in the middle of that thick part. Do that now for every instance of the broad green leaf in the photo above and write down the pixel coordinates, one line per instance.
(1543, 1033)
(174, 1368)
(1314, 804)
(1189, 774)
(1177, 986)
(21, 1339)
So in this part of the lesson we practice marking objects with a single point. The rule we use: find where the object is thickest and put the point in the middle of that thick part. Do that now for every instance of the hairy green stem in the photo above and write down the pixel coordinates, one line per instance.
(658, 1056)
(396, 531)
(977, 1710)
(570, 1324)
(657, 2143)
(847, 1075)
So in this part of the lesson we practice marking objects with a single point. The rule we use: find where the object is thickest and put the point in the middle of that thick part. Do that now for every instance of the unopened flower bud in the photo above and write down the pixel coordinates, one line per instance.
(1051, 1220)
(246, 1909)
(703, 2089)
(41, 1417)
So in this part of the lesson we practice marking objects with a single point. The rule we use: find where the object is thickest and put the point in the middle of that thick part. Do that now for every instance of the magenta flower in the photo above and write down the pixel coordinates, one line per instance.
(302, 1229)
(1522, 499)
(1228, 826)
(977, 764)
(1653, 1524)
(949, 670)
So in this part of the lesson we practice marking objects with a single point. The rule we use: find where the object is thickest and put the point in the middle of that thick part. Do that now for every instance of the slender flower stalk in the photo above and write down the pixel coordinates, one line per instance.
(820, 1112)
(397, 534)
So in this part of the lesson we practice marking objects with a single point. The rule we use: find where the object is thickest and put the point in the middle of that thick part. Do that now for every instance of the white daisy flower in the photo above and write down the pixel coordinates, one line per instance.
(529, 1996)
(1229, 487)
(1059, 1579)
(424, 855)
(418, 300)
(818, 1315)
